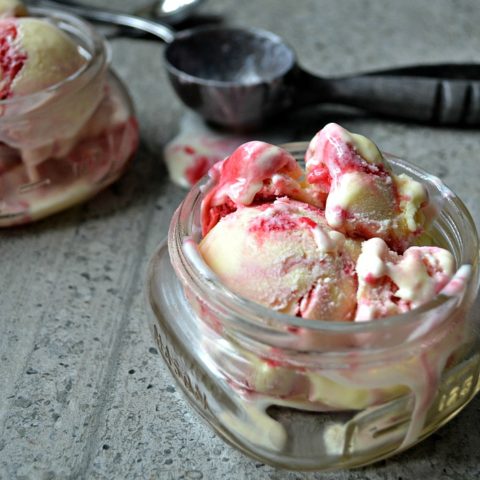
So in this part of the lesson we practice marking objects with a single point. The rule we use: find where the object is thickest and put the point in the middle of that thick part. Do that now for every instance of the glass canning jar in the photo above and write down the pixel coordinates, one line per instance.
(61, 145)
(314, 395)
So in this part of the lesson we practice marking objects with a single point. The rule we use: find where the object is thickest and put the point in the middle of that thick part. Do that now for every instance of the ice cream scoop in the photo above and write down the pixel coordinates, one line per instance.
(254, 171)
(363, 198)
(242, 77)
(391, 284)
(283, 255)
(35, 55)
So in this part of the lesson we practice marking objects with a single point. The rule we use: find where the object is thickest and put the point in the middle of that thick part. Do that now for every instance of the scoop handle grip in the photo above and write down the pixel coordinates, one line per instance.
(442, 94)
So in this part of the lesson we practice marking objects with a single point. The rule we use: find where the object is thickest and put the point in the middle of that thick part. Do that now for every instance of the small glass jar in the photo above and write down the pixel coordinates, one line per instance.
(316, 395)
(61, 145)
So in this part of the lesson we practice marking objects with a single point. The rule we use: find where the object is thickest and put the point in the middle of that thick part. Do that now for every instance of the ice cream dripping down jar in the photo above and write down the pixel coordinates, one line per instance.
(67, 124)
(308, 394)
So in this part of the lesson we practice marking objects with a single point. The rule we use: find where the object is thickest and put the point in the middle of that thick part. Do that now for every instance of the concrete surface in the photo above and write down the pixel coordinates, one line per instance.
(83, 391)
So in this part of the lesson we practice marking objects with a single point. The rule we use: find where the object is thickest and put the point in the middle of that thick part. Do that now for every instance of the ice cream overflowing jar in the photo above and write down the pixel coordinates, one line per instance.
(317, 395)
(62, 144)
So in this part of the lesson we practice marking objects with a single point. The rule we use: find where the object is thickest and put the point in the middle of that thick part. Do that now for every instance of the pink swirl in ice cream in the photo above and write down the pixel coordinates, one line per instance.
(11, 59)
(34, 55)
(299, 264)
(255, 172)
(390, 284)
(362, 196)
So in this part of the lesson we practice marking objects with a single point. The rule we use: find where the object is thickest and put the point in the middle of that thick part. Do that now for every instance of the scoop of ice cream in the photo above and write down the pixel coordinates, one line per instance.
(255, 171)
(362, 196)
(283, 255)
(12, 8)
(390, 284)
(34, 55)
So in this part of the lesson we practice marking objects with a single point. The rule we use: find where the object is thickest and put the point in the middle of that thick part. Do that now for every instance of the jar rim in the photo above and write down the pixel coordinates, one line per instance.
(245, 310)
(99, 56)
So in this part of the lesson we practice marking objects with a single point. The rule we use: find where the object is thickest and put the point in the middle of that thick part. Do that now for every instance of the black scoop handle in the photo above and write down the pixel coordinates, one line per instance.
(446, 94)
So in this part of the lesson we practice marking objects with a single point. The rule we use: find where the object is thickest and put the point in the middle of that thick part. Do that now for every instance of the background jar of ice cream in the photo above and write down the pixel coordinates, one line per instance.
(63, 143)
(305, 394)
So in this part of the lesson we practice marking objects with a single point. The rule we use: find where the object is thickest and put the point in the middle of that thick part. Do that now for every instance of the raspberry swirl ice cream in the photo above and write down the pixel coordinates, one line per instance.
(301, 240)
(362, 196)
(300, 265)
(391, 284)
(256, 171)
(334, 244)
(66, 127)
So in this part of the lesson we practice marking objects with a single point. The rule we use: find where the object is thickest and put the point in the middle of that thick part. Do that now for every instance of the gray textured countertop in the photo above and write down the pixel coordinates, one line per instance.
(83, 391)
